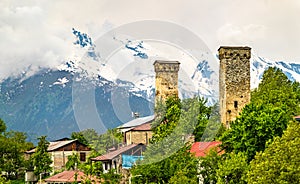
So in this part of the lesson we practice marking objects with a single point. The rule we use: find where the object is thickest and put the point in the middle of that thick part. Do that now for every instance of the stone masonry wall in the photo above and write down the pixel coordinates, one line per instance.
(234, 81)
(136, 137)
(166, 80)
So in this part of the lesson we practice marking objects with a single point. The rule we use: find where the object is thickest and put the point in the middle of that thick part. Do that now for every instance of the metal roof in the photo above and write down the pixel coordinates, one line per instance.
(55, 145)
(114, 154)
(135, 122)
(69, 177)
(143, 127)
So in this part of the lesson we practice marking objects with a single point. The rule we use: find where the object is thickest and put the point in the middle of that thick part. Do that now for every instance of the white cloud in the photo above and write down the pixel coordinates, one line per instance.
(38, 34)
(236, 35)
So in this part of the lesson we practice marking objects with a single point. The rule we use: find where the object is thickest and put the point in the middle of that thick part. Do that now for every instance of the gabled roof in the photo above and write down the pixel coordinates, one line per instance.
(143, 127)
(202, 148)
(297, 118)
(55, 145)
(114, 154)
(135, 122)
(69, 177)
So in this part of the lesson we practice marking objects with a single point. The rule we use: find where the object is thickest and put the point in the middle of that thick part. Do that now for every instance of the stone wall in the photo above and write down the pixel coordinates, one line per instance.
(166, 80)
(136, 137)
(60, 158)
(234, 81)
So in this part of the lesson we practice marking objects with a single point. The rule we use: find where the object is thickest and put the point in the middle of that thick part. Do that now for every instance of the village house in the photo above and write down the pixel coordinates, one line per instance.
(68, 177)
(59, 151)
(123, 157)
(135, 122)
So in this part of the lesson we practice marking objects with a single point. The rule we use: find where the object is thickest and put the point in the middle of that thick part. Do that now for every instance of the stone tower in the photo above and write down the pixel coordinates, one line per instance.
(166, 80)
(234, 81)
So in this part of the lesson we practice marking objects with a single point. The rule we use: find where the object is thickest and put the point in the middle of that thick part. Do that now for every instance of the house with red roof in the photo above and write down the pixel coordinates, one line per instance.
(68, 177)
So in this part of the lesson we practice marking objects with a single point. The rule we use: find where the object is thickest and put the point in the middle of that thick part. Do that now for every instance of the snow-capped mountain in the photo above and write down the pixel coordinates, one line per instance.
(93, 91)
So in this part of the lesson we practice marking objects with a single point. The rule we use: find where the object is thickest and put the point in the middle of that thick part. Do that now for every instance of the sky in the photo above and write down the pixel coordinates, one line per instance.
(38, 33)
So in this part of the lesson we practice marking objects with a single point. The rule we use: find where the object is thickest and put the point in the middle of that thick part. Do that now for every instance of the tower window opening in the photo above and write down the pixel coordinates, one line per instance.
(235, 104)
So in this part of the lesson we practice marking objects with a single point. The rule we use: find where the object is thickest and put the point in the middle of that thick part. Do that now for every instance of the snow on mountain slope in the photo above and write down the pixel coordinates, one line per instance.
(132, 66)
(260, 64)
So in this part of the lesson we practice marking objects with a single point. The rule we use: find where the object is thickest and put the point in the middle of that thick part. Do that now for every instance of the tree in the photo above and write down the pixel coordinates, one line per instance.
(167, 117)
(80, 137)
(168, 156)
(208, 166)
(15, 144)
(181, 163)
(12, 147)
(276, 89)
(233, 169)
(256, 125)
(41, 158)
(73, 162)
(2, 126)
(279, 162)
(102, 142)
(92, 168)
(111, 177)
(272, 107)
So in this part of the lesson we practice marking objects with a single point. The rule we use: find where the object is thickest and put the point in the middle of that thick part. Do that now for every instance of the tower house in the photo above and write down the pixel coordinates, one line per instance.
(166, 79)
(234, 81)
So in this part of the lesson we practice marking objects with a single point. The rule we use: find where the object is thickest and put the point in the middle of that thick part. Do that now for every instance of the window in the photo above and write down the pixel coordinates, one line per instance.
(235, 104)
(82, 157)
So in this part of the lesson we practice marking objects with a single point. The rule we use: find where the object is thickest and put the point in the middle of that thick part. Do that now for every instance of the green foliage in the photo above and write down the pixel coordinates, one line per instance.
(208, 166)
(181, 163)
(112, 177)
(272, 107)
(256, 125)
(233, 169)
(167, 159)
(102, 142)
(212, 128)
(80, 137)
(73, 161)
(182, 177)
(2, 126)
(167, 118)
(279, 162)
(4, 181)
(12, 147)
(196, 114)
(41, 158)
(276, 89)
(92, 168)
(13, 158)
